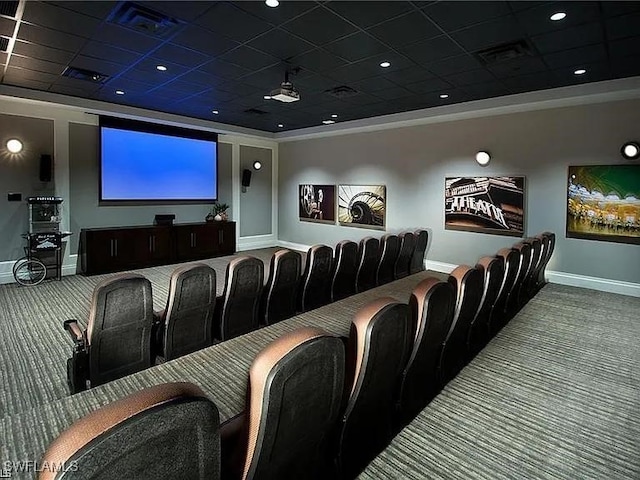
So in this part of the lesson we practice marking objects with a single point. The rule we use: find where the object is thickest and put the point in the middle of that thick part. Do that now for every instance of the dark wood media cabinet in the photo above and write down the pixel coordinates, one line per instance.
(112, 249)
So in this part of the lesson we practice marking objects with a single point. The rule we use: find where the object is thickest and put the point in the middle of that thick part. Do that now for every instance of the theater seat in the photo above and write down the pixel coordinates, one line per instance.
(417, 257)
(479, 331)
(431, 309)
(377, 352)
(405, 253)
(389, 247)
(294, 400)
(316, 280)
(368, 258)
(549, 240)
(343, 281)
(238, 310)
(468, 284)
(516, 299)
(117, 341)
(167, 431)
(529, 286)
(185, 325)
(500, 316)
(279, 299)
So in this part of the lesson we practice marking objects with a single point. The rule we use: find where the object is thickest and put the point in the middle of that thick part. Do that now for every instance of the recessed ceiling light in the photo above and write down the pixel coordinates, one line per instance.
(162, 68)
(444, 95)
(267, 97)
(385, 64)
(215, 112)
(272, 3)
(580, 71)
(119, 92)
(280, 125)
(14, 145)
(630, 150)
(558, 16)
(328, 122)
(257, 165)
(335, 115)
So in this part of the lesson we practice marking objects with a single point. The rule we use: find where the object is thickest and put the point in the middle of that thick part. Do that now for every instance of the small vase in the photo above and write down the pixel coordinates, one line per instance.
(218, 218)
(209, 218)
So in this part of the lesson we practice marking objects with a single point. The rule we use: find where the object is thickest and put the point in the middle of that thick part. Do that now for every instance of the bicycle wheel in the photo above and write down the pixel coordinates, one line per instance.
(30, 272)
(17, 264)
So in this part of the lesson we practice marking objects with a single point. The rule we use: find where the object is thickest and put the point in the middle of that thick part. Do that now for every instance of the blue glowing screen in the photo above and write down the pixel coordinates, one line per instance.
(149, 166)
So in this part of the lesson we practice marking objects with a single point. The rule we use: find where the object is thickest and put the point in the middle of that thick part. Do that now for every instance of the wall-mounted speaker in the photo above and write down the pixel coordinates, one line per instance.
(246, 177)
(46, 168)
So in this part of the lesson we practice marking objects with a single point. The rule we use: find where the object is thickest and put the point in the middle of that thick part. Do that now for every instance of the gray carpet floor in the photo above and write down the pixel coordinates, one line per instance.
(556, 395)
(33, 345)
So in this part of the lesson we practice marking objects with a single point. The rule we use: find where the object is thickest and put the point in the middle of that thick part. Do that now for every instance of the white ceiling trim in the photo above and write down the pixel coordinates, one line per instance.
(585, 94)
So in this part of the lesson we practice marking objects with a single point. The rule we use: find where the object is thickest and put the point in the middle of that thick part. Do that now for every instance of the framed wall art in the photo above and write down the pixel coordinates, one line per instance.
(485, 204)
(317, 203)
(362, 206)
(603, 203)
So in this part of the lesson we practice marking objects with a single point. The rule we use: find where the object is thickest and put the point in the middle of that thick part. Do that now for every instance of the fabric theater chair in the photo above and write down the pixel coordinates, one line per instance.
(405, 253)
(500, 316)
(417, 257)
(279, 298)
(343, 281)
(117, 341)
(368, 258)
(389, 247)
(167, 431)
(315, 283)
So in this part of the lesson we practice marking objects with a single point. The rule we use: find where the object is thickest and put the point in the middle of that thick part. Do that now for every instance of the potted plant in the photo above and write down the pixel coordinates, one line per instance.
(218, 212)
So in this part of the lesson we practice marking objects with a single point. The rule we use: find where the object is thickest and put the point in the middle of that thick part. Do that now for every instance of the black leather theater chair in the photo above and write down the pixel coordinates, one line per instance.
(279, 298)
(516, 298)
(500, 316)
(368, 259)
(549, 241)
(166, 431)
(294, 399)
(431, 307)
(185, 325)
(117, 341)
(417, 257)
(468, 283)
(315, 283)
(378, 349)
(405, 253)
(389, 247)
(343, 281)
(238, 311)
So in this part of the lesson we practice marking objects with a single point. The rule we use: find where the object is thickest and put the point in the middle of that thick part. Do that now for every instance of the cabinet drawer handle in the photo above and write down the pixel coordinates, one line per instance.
(150, 247)
(116, 243)
(111, 246)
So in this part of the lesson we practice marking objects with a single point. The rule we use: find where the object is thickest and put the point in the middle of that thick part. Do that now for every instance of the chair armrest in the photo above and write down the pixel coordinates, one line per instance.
(233, 446)
(75, 331)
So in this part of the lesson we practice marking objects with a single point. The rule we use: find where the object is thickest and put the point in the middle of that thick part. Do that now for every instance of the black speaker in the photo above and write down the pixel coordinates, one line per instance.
(246, 177)
(46, 168)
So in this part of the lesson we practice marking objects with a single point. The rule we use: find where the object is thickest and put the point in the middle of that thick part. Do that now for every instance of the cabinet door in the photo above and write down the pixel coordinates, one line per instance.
(227, 238)
(152, 246)
(205, 240)
(106, 251)
(161, 247)
(184, 241)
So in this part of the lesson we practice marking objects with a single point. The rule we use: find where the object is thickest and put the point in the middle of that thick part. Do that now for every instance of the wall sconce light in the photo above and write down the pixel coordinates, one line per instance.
(630, 150)
(14, 145)
(483, 158)
(257, 165)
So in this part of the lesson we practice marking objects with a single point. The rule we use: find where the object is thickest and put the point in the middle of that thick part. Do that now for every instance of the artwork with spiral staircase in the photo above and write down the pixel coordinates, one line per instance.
(362, 206)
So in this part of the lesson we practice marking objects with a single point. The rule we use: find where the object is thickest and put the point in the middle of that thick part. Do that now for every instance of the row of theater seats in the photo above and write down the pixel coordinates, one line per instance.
(124, 335)
(317, 406)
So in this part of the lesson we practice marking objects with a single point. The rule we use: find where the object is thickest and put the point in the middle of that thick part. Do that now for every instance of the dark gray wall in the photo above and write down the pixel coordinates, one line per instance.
(413, 162)
(19, 173)
(84, 182)
(256, 202)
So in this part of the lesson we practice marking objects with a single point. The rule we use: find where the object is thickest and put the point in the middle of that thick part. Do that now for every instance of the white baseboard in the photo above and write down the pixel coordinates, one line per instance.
(440, 266)
(594, 283)
(6, 269)
(256, 241)
(294, 246)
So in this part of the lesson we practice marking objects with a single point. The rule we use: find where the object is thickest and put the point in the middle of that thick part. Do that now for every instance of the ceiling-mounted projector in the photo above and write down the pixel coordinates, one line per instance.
(287, 92)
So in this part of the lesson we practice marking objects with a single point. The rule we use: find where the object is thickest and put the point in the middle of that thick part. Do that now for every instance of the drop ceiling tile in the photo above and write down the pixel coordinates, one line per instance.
(431, 85)
(518, 5)
(187, 11)
(285, 11)
(317, 61)
(249, 58)
(612, 9)
(352, 73)
(405, 30)
(7, 26)
(596, 72)
(41, 52)
(36, 65)
(517, 66)
(280, 44)
(131, 87)
(219, 68)
(366, 14)
(314, 83)
(96, 9)
(431, 50)
(185, 88)
(232, 22)
(408, 75)
(56, 18)
(202, 40)
(453, 65)
(363, 99)
(319, 26)
(470, 77)
(534, 81)
(20, 81)
(573, 37)
(488, 34)
(240, 89)
(72, 90)
(566, 58)
(181, 56)
(536, 20)
(109, 53)
(623, 26)
(50, 38)
(95, 65)
(15, 74)
(625, 48)
(393, 93)
(268, 79)
(486, 90)
(356, 47)
(452, 16)
(374, 84)
(626, 67)
(121, 37)
(198, 77)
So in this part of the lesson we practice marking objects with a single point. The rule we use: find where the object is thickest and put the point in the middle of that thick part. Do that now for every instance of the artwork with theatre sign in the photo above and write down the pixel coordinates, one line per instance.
(485, 204)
